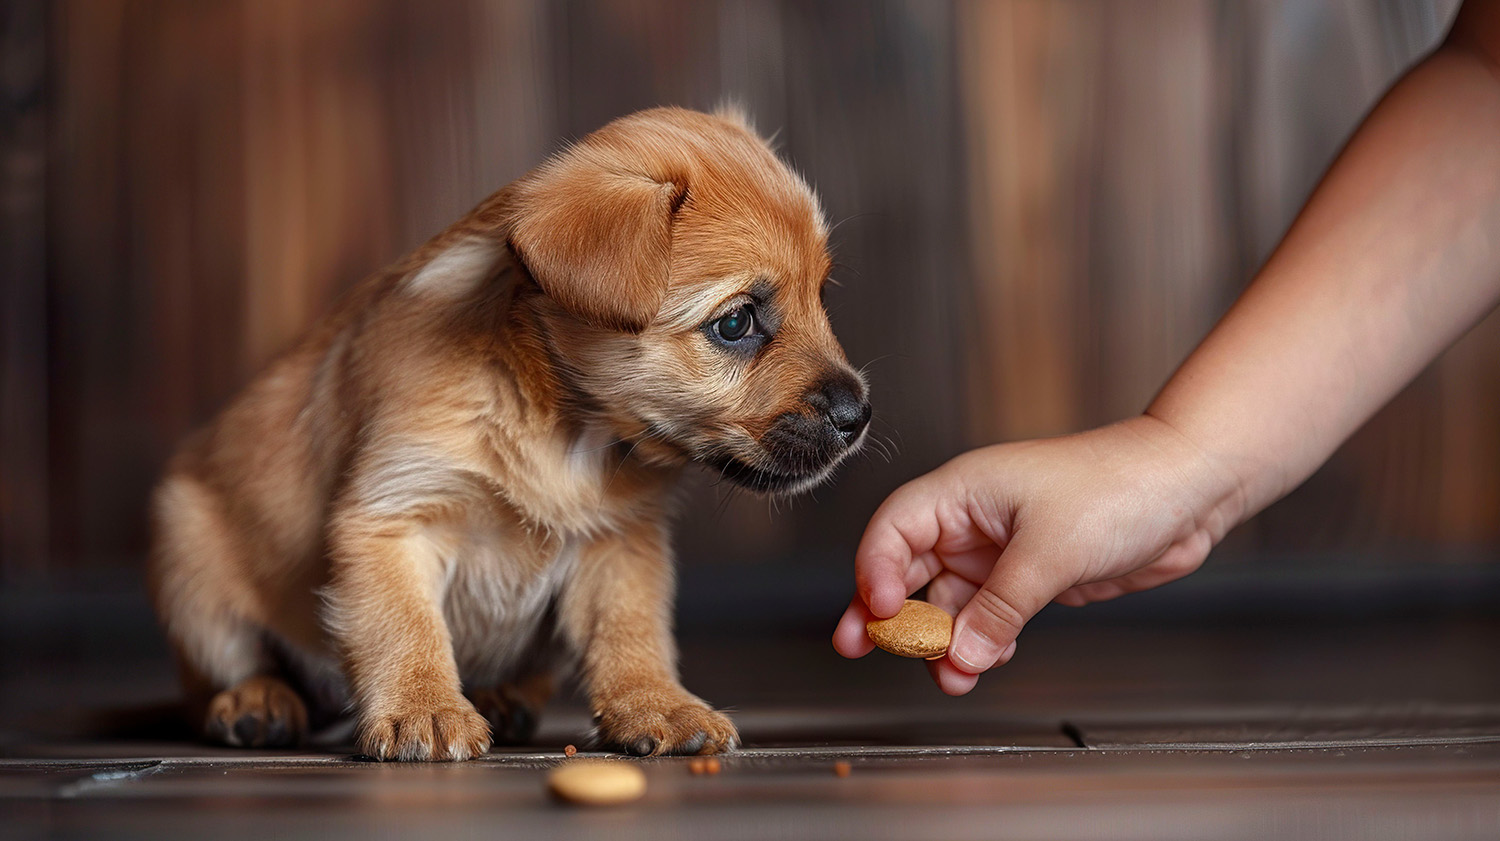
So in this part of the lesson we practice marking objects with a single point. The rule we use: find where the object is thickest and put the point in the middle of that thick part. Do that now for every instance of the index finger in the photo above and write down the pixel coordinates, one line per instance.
(895, 557)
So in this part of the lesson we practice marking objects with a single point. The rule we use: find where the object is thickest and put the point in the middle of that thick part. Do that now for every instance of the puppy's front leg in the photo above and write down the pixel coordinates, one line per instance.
(385, 610)
(617, 612)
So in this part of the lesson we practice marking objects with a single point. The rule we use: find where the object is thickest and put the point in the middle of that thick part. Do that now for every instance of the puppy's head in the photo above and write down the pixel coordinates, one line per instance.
(686, 264)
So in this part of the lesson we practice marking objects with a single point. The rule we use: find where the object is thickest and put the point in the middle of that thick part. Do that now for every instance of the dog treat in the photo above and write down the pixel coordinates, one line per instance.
(597, 782)
(918, 630)
(841, 769)
(711, 765)
(570, 751)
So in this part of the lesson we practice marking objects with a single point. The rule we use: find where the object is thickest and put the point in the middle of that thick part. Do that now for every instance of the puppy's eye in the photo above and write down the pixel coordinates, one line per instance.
(737, 325)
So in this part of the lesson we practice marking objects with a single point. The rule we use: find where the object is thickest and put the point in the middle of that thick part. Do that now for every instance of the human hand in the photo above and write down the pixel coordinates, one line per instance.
(998, 532)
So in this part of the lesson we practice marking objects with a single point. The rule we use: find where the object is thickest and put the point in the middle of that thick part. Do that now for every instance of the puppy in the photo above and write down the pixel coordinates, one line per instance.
(458, 484)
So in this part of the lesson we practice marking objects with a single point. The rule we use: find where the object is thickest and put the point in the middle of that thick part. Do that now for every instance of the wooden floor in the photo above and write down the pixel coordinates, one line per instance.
(1378, 729)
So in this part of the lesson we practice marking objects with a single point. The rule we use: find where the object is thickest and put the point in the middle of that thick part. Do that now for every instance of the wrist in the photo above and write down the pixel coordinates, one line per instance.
(1214, 489)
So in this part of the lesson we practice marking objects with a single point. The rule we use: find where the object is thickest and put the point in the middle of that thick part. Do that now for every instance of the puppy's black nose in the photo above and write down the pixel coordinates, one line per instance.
(848, 413)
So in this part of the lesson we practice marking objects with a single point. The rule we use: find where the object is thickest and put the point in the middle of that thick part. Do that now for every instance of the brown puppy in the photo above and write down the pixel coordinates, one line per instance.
(459, 481)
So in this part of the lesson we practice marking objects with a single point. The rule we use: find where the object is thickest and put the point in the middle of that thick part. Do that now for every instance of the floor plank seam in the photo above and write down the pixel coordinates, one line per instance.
(112, 778)
(1303, 744)
(113, 772)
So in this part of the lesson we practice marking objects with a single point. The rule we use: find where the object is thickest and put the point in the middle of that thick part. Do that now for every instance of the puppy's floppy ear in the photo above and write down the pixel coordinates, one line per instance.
(597, 237)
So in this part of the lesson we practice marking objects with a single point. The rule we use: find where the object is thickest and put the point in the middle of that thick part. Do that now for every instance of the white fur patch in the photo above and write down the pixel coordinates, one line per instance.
(492, 614)
(459, 270)
(402, 479)
(587, 454)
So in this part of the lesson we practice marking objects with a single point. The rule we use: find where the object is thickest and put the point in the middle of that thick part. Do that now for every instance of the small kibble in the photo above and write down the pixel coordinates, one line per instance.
(919, 630)
(711, 765)
(697, 765)
(570, 751)
(596, 782)
(841, 769)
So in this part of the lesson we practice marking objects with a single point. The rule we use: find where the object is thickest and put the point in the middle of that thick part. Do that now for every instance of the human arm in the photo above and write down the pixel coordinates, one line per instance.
(1395, 255)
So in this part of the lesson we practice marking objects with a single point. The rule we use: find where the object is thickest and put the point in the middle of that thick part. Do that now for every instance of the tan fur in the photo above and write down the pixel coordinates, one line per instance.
(459, 481)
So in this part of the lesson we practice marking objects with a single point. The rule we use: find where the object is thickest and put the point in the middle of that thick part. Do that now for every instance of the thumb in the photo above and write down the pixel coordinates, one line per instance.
(1022, 582)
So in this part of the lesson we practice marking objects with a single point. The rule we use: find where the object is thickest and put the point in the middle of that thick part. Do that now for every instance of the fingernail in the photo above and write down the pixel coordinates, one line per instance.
(972, 651)
(1009, 652)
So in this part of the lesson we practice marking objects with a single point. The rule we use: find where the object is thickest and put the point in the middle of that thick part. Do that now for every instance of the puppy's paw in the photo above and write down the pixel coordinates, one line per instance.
(512, 716)
(453, 731)
(260, 712)
(656, 723)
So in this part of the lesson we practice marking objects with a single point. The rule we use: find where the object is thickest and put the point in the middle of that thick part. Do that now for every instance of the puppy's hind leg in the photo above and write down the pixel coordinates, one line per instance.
(514, 709)
(259, 711)
(232, 691)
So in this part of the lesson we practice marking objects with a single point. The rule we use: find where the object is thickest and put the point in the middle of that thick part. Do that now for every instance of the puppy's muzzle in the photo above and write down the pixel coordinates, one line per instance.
(831, 420)
(802, 447)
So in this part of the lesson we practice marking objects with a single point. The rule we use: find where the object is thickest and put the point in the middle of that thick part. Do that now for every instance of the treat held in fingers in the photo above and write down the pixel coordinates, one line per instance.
(919, 630)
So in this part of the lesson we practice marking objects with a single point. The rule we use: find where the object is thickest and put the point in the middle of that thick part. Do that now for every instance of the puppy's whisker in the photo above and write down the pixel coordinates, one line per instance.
(892, 428)
(849, 218)
(645, 436)
(863, 369)
(725, 499)
(845, 267)
(623, 459)
(597, 449)
(890, 448)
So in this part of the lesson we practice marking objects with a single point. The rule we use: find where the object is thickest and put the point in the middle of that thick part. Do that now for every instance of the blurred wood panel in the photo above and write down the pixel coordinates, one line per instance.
(87, 280)
(1158, 266)
(1028, 69)
(319, 196)
(23, 332)
(1467, 485)
(1040, 207)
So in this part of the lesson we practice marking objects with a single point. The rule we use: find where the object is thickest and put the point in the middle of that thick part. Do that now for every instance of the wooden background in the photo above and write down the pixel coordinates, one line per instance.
(1041, 207)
